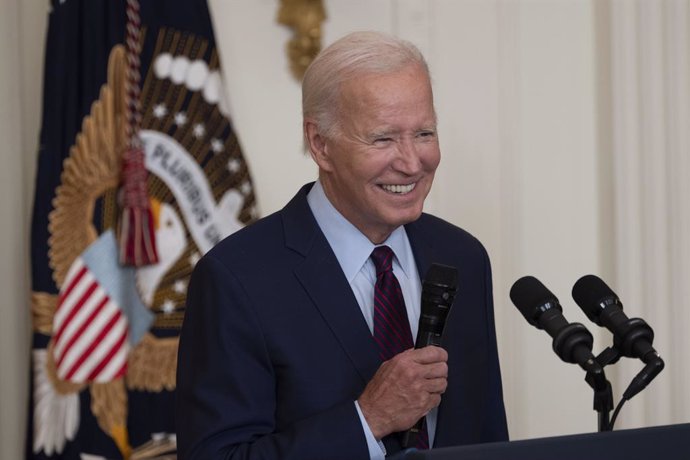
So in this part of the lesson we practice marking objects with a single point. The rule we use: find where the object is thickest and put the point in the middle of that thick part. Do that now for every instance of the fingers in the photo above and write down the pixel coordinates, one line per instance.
(428, 355)
(404, 389)
(424, 369)
(429, 362)
(436, 386)
(435, 371)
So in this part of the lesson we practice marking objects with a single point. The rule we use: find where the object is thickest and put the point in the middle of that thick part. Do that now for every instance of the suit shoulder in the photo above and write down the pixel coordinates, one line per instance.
(447, 233)
(264, 235)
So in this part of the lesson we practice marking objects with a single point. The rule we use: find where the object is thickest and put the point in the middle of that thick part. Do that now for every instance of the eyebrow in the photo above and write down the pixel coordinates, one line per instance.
(384, 132)
(392, 131)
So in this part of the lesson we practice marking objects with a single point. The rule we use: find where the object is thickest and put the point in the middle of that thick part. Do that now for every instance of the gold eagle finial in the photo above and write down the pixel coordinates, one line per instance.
(305, 18)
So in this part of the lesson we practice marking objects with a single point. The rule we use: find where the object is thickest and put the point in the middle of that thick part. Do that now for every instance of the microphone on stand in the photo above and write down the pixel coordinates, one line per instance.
(632, 337)
(438, 292)
(572, 342)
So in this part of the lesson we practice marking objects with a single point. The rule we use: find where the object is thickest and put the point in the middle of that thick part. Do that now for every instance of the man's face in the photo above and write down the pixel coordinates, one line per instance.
(379, 166)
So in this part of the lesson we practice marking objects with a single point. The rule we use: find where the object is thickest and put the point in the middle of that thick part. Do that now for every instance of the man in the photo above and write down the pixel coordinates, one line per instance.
(292, 344)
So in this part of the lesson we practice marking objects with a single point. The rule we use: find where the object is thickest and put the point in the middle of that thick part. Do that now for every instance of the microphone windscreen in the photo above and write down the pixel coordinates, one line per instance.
(438, 289)
(529, 294)
(589, 292)
(442, 275)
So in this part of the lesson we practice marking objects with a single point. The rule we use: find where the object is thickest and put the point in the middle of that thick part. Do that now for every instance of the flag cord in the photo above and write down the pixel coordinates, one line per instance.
(136, 226)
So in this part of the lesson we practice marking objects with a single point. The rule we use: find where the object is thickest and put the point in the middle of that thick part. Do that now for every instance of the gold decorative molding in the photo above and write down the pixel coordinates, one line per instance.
(305, 18)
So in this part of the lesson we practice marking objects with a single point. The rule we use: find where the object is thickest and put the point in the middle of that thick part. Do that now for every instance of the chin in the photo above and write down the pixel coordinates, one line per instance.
(406, 218)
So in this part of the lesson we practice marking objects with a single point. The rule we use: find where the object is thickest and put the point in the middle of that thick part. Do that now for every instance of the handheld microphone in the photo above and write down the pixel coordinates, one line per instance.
(438, 292)
(572, 342)
(632, 337)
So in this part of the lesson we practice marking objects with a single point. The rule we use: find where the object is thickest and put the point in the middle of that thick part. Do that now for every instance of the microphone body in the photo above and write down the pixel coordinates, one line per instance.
(572, 342)
(438, 292)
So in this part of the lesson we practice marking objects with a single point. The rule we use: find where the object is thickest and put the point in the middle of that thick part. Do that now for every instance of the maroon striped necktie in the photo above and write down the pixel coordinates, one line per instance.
(391, 326)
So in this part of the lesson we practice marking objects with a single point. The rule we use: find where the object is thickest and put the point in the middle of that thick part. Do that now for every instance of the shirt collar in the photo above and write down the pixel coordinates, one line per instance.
(351, 247)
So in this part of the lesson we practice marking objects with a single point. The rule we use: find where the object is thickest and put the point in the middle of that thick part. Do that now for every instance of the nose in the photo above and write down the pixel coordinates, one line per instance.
(408, 160)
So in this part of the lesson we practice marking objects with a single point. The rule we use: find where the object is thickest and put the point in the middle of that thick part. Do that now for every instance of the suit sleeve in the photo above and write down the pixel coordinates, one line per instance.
(495, 427)
(226, 386)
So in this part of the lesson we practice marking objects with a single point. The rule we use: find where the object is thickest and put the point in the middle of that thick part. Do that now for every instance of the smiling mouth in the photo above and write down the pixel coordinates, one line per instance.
(399, 189)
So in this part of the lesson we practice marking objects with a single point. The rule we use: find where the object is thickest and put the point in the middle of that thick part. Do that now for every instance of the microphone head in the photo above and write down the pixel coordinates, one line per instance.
(532, 298)
(443, 276)
(593, 296)
(439, 286)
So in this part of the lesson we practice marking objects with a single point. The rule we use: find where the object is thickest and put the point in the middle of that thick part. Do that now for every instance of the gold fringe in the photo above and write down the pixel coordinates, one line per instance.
(43, 306)
(152, 364)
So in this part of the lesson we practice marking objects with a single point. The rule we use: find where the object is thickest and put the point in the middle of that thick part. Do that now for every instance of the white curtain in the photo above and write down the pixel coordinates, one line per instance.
(22, 28)
(650, 120)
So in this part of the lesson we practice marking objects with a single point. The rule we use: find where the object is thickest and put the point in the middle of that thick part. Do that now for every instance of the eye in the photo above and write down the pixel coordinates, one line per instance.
(383, 140)
(426, 134)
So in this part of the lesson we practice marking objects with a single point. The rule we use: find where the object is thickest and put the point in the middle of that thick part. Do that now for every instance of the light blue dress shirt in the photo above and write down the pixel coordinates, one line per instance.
(352, 249)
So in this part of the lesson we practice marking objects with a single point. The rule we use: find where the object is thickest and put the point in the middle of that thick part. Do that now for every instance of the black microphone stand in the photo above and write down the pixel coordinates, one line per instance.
(603, 393)
(573, 343)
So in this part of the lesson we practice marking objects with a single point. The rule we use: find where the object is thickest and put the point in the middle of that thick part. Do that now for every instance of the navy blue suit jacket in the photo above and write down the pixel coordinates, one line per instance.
(274, 349)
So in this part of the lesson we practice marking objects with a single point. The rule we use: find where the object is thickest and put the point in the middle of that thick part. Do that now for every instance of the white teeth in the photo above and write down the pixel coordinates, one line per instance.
(402, 189)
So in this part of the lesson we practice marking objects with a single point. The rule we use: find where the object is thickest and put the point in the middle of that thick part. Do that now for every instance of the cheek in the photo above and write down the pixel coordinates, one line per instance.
(431, 158)
(371, 169)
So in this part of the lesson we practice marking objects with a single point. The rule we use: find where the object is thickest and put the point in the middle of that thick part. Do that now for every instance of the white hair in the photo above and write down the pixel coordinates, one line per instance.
(353, 55)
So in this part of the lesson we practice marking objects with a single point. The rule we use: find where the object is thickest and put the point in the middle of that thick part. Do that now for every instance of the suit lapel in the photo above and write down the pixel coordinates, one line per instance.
(323, 279)
(422, 246)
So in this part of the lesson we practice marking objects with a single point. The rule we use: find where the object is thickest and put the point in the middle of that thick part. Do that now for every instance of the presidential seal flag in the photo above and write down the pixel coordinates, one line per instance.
(139, 174)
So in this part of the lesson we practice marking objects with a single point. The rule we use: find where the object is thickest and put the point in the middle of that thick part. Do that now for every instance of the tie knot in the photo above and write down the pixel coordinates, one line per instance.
(382, 256)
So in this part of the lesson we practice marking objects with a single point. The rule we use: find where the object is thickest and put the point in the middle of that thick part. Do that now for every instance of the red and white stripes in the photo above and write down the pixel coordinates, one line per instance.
(89, 330)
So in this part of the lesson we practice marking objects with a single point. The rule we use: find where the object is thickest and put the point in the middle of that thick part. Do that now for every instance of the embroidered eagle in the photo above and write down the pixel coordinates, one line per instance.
(186, 117)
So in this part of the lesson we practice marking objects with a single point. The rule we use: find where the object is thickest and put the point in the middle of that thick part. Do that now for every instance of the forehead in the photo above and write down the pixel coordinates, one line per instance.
(403, 92)
(408, 79)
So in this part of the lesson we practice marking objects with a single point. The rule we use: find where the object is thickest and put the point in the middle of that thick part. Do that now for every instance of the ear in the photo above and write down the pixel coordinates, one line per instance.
(316, 144)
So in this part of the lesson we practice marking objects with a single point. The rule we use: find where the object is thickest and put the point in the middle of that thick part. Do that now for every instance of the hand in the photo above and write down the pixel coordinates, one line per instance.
(404, 389)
